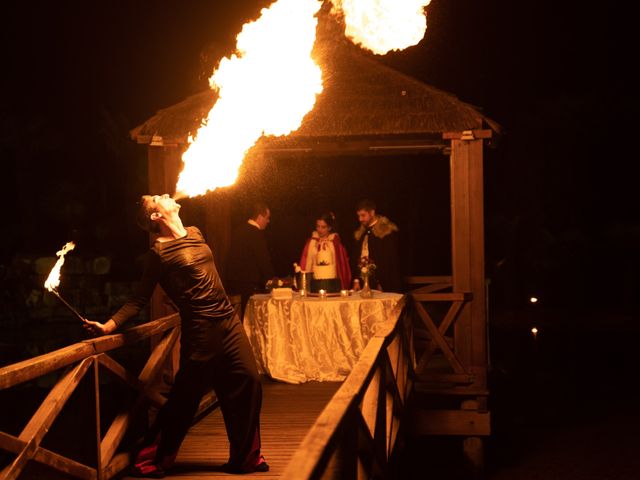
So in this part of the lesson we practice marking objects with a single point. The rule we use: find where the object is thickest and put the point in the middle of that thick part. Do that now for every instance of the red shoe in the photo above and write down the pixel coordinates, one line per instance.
(261, 466)
(146, 454)
(146, 464)
(147, 469)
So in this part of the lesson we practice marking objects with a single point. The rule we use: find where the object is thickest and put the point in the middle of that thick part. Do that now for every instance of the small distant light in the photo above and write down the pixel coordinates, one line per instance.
(534, 332)
(533, 299)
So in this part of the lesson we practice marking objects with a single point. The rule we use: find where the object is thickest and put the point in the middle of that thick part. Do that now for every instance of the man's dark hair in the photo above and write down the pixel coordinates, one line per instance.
(258, 208)
(366, 204)
(143, 217)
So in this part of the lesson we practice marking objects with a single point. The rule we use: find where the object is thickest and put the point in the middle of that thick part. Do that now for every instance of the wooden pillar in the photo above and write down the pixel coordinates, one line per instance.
(163, 165)
(473, 451)
(218, 227)
(467, 238)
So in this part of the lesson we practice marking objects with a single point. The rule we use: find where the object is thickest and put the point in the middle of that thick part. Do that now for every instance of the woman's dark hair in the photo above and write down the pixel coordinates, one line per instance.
(143, 216)
(329, 218)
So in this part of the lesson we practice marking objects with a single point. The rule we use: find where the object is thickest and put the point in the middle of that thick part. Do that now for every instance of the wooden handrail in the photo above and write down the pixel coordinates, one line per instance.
(78, 359)
(426, 279)
(35, 367)
(429, 284)
(442, 297)
(361, 407)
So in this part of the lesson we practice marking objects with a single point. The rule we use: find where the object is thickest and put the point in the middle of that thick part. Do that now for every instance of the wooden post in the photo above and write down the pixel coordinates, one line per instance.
(467, 242)
(218, 227)
(163, 166)
(474, 456)
(467, 239)
(96, 392)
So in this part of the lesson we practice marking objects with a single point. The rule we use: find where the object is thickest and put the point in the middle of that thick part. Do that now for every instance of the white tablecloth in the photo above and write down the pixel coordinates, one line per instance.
(302, 339)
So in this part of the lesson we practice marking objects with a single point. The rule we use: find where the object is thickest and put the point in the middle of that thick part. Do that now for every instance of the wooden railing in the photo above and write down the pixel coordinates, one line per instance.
(438, 333)
(356, 434)
(448, 367)
(428, 283)
(77, 360)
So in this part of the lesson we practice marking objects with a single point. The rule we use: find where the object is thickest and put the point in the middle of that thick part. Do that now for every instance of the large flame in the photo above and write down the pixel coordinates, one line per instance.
(383, 25)
(265, 88)
(53, 280)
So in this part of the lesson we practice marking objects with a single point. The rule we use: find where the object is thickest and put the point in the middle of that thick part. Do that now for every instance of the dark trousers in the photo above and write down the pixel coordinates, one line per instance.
(232, 373)
(245, 290)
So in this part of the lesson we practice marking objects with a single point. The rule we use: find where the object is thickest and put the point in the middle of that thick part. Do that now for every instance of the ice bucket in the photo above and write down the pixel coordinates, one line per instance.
(304, 280)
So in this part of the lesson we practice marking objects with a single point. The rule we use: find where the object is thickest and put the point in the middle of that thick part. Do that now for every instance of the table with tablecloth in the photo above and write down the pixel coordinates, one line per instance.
(310, 338)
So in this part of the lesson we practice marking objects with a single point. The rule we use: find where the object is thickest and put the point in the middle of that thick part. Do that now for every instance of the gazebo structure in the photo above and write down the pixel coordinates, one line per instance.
(368, 109)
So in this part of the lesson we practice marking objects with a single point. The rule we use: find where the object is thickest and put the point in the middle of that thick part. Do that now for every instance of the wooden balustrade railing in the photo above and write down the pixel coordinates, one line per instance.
(77, 360)
(438, 333)
(428, 283)
(356, 434)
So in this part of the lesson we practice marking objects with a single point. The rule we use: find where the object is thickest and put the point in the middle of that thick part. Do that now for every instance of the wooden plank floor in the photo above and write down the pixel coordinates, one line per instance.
(288, 411)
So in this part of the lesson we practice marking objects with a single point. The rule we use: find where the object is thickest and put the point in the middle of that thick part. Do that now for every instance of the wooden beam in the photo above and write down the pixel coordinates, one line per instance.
(119, 462)
(119, 371)
(119, 426)
(26, 370)
(362, 145)
(39, 424)
(96, 393)
(450, 422)
(437, 337)
(473, 134)
(442, 390)
(47, 457)
(441, 297)
(445, 378)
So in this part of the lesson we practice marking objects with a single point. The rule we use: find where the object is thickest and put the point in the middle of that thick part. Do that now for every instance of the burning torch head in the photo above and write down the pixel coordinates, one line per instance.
(53, 280)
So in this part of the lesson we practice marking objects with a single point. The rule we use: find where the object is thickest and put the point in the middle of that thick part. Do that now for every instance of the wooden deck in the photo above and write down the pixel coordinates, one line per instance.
(288, 412)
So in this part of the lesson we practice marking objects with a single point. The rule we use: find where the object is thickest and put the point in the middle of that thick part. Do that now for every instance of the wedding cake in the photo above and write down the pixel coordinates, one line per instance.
(325, 276)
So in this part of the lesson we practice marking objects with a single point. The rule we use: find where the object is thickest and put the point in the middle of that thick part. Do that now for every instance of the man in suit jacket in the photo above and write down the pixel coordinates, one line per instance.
(250, 264)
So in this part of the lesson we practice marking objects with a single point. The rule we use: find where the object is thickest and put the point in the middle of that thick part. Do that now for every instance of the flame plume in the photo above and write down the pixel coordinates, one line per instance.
(271, 82)
(53, 280)
(265, 88)
(383, 25)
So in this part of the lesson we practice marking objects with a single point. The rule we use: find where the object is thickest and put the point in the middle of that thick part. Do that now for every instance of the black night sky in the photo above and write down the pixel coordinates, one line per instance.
(561, 220)
(79, 76)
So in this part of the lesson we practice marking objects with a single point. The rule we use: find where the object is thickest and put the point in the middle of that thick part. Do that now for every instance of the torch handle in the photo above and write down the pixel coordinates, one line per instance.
(73, 310)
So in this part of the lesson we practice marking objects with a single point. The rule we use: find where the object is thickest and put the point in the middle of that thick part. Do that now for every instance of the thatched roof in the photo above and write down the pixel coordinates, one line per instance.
(361, 99)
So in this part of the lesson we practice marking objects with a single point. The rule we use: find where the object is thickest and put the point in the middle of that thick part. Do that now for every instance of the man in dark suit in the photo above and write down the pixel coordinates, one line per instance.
(250, 265)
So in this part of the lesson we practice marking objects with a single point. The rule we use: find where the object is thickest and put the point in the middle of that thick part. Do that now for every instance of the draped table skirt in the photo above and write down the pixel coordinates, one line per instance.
(307, 338)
